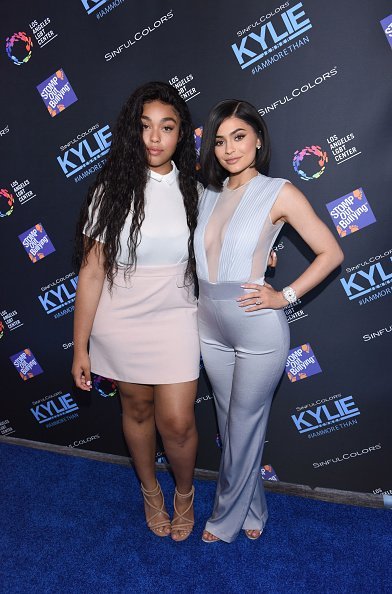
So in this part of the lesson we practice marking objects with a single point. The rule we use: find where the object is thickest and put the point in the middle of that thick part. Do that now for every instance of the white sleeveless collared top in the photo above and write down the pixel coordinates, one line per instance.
(164, 231)
(234, 234)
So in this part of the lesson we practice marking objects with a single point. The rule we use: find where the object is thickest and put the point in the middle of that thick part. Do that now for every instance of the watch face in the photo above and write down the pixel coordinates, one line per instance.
(289, 294)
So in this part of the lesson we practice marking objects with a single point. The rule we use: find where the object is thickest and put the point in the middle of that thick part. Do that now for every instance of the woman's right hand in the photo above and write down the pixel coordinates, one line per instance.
(81, 371)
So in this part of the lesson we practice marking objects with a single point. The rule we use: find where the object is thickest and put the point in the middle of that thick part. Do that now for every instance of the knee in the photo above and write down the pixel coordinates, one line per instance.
(138, 412)
(178, 430)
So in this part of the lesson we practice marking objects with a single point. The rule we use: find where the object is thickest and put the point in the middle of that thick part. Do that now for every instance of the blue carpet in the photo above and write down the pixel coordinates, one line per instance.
(75, 526)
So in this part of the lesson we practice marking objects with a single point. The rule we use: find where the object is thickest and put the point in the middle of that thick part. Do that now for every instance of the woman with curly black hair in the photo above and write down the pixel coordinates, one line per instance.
(135, 298)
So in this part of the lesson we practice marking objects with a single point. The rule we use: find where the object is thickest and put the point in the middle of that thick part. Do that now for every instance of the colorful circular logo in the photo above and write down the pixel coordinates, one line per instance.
(1, 329)
(9, 46)
(104, 386)
(6, 211)
(310, 151)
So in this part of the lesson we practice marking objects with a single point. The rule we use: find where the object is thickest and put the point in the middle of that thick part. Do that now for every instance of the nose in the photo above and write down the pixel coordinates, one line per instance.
(155, 136)
(229, 149)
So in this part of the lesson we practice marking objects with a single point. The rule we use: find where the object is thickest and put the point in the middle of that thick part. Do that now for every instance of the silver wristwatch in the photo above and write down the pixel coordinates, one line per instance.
(289, 294)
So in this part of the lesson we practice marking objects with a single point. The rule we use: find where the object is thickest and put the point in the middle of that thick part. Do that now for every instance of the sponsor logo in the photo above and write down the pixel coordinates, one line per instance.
(106, 6)
(317, 402)
(368, 281)
(84, 441)
(22, 193)
(56, 93)
(340, 149)
(317, 157)
(5, 130)
(54, 411)
(36, 243)
(160, 457)
(59, 299)
(379, 491)
(271, 41)
(184, 87)
(348, 456)
(279, 246)
(298, 91)
(40, 32)
(294, 312)
(78, 160)
(26, 364)
(351, 212)
(79, 137)
(386, 24)
(268, 473)
(6, 203)
(104, 386)
(13, 44)
(11, 319)
(204, 398)
(376, 333)
(332, 413)
(1, 329)
(262, 19)
(68, 345)
(93, 5)
(5, 427)
(138, 36)
(198, 135)
(301, 363)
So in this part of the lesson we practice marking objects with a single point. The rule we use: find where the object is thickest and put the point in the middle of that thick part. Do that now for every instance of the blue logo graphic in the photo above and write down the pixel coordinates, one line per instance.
(78, 158)
(55, 409)
(92, 5)
(271, 37)
(367, 281)
(322, 416)
(55, 299)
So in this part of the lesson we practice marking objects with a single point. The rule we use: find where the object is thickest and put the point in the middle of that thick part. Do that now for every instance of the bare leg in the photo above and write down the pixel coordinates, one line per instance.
(175, 420)
(137, 402)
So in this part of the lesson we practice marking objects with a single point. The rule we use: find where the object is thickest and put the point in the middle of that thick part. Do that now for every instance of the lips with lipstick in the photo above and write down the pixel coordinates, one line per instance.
(232, 161)
(155, 152)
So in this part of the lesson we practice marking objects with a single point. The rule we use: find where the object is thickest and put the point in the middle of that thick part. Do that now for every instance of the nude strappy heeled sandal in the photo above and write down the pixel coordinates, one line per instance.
(181, 523)
(158, 527)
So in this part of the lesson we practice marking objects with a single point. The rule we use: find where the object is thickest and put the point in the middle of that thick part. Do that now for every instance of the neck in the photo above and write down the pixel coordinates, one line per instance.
(239, 179)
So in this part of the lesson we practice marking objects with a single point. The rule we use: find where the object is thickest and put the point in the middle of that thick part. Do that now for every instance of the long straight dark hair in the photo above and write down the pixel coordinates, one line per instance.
(212, 171)
(120, 184)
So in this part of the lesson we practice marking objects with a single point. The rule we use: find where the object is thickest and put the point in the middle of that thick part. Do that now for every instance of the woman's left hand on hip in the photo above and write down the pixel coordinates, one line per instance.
(262, 297)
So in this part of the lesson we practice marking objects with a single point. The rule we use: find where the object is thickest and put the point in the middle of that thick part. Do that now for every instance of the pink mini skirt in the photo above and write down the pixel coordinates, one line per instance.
(145, 330)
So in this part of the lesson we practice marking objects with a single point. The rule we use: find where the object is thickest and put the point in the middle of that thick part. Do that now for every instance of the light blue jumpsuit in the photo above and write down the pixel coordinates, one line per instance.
(244, 353)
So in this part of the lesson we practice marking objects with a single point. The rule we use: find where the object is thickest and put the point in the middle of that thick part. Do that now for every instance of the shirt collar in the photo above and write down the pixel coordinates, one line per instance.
(169, 178)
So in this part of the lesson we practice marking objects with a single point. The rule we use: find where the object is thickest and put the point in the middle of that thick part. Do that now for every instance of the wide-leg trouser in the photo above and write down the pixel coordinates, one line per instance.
(244, 355)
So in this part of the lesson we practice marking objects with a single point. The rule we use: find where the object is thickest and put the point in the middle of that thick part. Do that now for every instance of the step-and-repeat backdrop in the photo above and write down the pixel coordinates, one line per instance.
(319, 73)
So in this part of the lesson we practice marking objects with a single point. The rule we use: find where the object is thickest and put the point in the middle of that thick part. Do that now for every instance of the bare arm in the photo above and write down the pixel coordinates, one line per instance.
(88, 293)
(292, 207)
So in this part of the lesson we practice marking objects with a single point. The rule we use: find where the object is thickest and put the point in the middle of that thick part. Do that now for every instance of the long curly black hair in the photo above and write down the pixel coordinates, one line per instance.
(120, 184)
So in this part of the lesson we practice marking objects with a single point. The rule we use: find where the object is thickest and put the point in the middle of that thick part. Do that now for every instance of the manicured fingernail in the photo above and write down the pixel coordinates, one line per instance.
(88, 383)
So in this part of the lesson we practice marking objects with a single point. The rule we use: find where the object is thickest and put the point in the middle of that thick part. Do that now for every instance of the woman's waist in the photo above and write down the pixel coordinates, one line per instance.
(151, 271)
(226, 290)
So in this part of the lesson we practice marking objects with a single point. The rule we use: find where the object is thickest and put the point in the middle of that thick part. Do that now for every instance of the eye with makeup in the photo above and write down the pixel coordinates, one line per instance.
(239, 136)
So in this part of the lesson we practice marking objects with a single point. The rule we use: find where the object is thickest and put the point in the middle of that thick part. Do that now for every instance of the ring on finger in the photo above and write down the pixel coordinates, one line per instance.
(258, 301)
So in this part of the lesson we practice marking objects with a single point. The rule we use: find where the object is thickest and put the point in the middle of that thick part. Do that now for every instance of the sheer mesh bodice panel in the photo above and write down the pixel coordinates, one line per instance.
(217, 227)
(234, 233)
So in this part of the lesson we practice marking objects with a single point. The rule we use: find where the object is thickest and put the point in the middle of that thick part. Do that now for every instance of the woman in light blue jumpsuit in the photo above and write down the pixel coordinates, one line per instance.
(245, 336)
